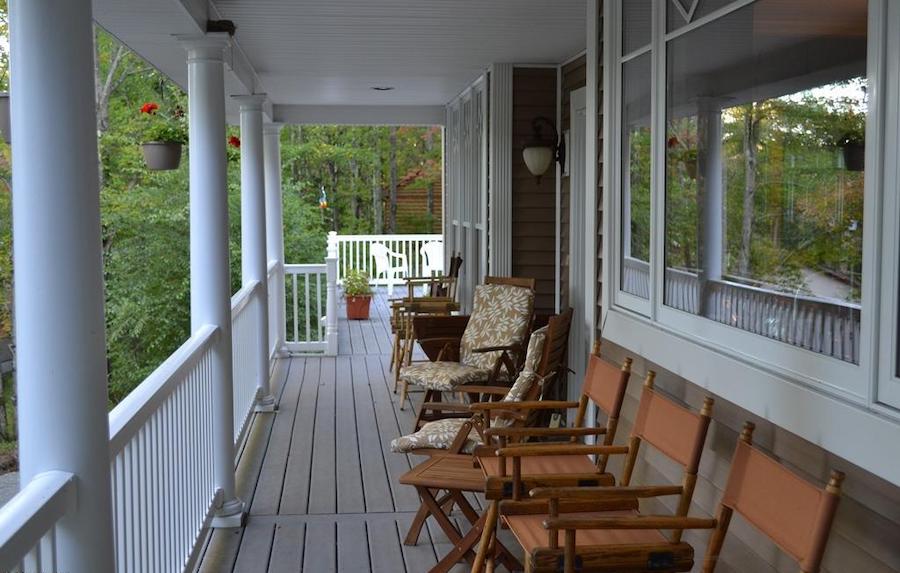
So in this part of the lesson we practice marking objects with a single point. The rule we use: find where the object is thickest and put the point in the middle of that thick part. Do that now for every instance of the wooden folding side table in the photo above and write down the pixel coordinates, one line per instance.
(456, 475)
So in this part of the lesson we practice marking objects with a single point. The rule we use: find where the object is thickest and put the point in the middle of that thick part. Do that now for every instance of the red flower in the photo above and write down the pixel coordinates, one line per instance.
(234, 141)
(149, 108)
(672, 142)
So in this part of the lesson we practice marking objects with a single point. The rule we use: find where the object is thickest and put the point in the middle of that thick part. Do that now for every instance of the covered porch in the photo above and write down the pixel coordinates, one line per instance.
(263, 442)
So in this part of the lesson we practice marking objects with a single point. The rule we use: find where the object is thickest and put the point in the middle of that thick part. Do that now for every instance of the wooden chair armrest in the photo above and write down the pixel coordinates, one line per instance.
(482, 389)
(440, 340)
(562, 449)
(629, 522)
(529, 405)
(510, 347)
(543, 432)
(613, 492)
(446, 407)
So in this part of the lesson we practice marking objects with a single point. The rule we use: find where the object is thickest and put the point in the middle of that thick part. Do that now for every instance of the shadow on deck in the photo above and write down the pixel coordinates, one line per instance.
(318, 477)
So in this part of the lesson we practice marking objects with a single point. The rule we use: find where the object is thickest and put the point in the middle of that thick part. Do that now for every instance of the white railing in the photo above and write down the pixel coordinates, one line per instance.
(28, 523)
(161, 451)
(312, 300)
(246, 305)
(354, 252)
(636, 277)
(829, 327)
(276, 308)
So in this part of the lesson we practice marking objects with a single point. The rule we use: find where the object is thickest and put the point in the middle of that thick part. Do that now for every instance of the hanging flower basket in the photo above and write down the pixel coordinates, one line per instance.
(162, 155)
(164, 135)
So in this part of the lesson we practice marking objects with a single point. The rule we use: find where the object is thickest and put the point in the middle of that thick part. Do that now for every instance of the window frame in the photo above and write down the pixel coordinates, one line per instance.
(621, 297)
(860, 385)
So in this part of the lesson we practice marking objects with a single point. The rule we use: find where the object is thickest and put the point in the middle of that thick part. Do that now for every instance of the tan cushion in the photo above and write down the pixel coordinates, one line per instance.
(501, 315)
(439, 435)
(442, 376)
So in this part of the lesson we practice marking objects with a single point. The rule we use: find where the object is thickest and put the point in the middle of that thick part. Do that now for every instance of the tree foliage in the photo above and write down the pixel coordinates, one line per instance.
(145, 214)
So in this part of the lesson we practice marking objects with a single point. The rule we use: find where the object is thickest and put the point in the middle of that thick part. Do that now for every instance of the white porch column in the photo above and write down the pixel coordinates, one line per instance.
(210, 280)
(710, 186)
(63, 423)
(275, 233)
(253, 234)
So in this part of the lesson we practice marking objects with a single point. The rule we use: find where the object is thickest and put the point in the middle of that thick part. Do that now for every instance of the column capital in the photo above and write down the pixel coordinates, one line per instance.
(272, 128)
(252, 102)
(208, 47)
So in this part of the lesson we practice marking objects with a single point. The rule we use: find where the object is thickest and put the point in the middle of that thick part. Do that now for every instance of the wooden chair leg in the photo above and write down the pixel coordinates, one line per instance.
(404, 393)
(395, 368)
(486, 533)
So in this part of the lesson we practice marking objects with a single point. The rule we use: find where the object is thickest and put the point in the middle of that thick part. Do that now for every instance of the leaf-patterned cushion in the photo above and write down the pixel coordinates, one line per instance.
(438, 435)
(527, 377)
(443, 376)
(501, 315)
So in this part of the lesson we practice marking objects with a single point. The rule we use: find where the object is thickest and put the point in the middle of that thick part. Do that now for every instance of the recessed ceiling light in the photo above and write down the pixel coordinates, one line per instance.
(382, 88)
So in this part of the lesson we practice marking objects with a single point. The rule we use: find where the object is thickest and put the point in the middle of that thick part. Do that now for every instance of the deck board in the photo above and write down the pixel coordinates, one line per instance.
(319, 478)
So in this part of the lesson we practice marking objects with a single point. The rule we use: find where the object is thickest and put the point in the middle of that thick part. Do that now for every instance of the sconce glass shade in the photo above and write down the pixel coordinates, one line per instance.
(537, 159)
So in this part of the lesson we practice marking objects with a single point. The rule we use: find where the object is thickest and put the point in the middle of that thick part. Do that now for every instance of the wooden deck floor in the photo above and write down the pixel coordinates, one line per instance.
(318, 475)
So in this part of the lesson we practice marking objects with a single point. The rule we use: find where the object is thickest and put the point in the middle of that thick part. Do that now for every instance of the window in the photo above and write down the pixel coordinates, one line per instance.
(636, 176)
(636, 65)
(765, 147)
(746, 177)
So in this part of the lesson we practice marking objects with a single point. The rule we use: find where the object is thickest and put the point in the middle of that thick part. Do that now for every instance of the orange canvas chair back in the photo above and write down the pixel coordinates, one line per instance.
(671, 428)
(604, 385)
(793, 512)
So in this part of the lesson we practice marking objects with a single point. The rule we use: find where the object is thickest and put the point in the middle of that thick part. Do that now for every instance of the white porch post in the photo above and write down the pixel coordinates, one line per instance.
(331, 300)
(711, 197)
(63, 423)
(275, 233)
(210, 280)
(253, 234)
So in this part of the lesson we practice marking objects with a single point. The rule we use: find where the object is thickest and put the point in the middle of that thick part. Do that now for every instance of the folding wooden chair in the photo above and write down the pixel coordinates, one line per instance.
(489, 348)
(673, 430)
(794, 513)
(455, 472)
(439, 300)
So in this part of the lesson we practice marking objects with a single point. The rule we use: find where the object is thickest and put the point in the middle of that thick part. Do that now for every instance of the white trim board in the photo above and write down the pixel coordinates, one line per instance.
(361, 114)
(858, 435)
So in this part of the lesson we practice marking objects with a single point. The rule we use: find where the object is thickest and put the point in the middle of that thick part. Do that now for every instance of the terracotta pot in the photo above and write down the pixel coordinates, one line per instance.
(358, 307)
(161, 155)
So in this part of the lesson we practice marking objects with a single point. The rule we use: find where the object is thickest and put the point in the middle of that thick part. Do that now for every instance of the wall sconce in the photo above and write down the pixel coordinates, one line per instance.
(539, 152)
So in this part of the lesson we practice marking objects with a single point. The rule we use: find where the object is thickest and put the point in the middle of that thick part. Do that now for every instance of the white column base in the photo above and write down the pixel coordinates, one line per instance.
(230, 515)
(266, 404)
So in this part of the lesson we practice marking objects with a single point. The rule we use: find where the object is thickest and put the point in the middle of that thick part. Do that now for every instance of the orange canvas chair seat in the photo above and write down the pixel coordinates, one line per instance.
(670, 428)
(531, 534)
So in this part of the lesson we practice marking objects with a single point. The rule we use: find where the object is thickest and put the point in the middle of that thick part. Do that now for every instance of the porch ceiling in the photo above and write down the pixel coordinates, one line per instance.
(306, 54)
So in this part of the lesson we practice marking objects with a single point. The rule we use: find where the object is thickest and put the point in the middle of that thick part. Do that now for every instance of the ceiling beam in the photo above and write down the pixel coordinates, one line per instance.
(361, 114)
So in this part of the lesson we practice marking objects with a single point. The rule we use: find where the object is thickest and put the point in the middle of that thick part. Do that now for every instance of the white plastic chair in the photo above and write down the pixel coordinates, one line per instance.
(386, 267)
(433, 258)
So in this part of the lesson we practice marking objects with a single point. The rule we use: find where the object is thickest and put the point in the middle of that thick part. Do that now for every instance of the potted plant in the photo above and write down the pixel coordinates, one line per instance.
(358, 295)
(164, 136)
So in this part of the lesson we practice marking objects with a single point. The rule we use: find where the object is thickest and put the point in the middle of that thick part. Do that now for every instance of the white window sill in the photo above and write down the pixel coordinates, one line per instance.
(850, 430)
